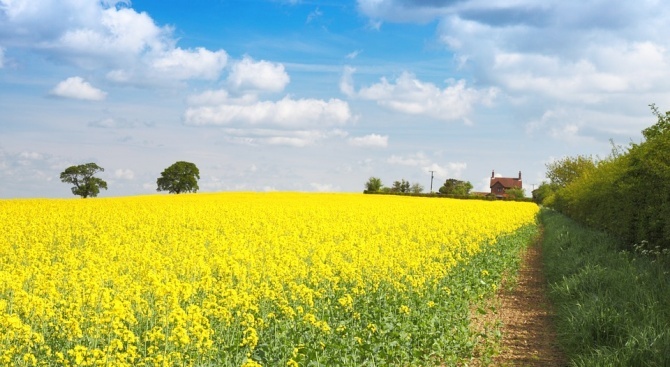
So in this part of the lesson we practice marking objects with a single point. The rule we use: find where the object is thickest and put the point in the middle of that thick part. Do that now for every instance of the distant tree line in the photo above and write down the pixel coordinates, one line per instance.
(450, 187)
(178, 178)
(626, 194)
(375, 184)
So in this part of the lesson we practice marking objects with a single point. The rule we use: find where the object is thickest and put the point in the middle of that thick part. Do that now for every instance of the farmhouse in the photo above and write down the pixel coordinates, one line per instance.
(500, 184)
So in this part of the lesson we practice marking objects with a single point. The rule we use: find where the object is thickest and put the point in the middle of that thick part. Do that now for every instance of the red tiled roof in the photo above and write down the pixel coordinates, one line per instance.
(507, 182)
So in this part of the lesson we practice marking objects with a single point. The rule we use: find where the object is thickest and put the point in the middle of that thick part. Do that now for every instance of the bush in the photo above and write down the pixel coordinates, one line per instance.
(627, 194)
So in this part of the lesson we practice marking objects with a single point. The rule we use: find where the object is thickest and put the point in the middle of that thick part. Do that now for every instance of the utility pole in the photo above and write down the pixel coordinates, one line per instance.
(431, 181)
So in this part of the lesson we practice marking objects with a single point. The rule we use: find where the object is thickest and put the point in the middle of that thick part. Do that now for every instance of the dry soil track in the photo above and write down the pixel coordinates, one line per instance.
(529, 337)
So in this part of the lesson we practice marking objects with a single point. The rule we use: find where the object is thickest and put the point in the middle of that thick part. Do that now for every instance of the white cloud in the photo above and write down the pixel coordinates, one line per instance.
(248, 74)
(2, 57)
(354, 54)
(125, 174)
(411, 96)
(590, 57)
(77, 88)
(107, 35)
(29, 173)
(293, 138)
(287, 112)
(639, 67)
(183, 64)
(417, 159)
(372, 140)
(31, 155)
(118, 35)
(450, 170)
(403, 11)
(111, 123)
(347, 81)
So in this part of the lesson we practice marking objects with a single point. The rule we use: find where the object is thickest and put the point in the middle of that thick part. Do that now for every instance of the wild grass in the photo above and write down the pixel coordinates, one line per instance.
(613, 306)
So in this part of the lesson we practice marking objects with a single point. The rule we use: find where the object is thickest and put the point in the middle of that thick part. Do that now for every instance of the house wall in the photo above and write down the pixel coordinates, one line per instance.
(497, 189)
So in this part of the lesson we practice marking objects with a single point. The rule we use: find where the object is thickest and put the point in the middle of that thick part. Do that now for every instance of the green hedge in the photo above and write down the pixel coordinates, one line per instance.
(627, 195)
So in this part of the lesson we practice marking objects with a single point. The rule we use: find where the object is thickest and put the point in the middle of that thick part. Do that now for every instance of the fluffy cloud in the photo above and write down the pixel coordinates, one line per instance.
(2, 57)
(190, 64)
(287, 112)
(372, 140)
(591, 80)
(106, 35)
(248, 74)
(116, 33)
(591, 57)
(77, 88)
(409, 95)
(451, 170)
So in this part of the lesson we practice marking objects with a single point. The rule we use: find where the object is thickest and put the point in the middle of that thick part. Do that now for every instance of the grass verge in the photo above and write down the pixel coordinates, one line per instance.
(612, 306)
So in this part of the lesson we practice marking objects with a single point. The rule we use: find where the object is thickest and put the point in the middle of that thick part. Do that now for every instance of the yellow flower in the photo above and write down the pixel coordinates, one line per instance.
(159, 279)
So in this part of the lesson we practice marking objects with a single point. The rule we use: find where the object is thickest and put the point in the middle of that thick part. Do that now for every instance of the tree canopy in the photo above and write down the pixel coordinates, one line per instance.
(625, 194)
(515, 193)
(81, 176)
(453, 186)
(374, 184)
(564, 171)
(401, 186)
(179, 177)
(416, 188)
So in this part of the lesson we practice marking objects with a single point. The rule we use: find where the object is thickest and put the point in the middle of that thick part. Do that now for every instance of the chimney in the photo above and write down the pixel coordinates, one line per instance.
(493, 173)
(519, 175)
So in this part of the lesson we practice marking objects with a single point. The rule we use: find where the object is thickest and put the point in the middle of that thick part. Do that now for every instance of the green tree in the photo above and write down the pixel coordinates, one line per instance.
(374, 184)
(515, 193)
(661, 127)
(544, 191)
(416, 188)
(453, 186)
(81, 176)
(400, 186)
(179, 177)
(564, 171)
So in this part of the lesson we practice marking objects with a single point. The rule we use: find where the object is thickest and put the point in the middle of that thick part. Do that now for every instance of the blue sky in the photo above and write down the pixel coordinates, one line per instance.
(319, 95)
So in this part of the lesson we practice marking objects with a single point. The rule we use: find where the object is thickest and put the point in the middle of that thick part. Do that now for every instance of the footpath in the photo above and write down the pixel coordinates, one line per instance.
(528, 335)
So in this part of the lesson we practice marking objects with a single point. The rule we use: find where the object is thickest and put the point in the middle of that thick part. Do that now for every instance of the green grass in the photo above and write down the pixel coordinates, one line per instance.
(613, 306)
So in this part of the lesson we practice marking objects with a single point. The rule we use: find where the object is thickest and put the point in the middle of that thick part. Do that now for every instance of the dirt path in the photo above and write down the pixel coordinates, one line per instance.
(529, 338)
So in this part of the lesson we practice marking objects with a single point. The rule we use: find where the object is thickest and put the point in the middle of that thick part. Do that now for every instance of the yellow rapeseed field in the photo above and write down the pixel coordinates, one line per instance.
(233, 279)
